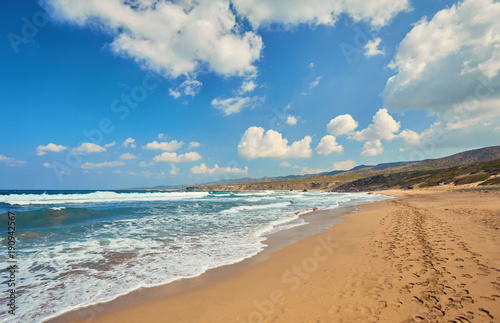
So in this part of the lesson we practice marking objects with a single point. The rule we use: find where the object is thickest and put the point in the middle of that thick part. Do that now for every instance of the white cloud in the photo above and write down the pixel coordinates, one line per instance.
(257, 144)
(88, 165)
(291, 120)
(194, 144)
(312, 85)
(89, 147)
(111, 144)
(236, 104)
(127, 156)
(311, 65)
(47, 165)
(328, 145)
(285, 164)
(42, 150)
(371, 48)
(117, 171)
(204, 170)
(188, 87)
(167, 146)
(318, 12)
(174, 171)
(173, 157)
(413, 140)
(315, 83)
(372, 148)
(310, 171)
(383, 126)
(145, 173)
(11, 162)
(129, 142)
(454, 59)
(162, 136)
(341, 125)
(173, 38)
(144, 164)
(344, 165)
(247, 86)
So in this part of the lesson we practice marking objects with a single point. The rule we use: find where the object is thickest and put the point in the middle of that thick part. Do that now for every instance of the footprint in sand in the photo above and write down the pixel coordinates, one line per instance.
(491, 298)
(485, 313)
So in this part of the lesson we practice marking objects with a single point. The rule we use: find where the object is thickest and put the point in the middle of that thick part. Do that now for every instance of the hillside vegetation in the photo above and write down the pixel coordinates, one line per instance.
(480, 166)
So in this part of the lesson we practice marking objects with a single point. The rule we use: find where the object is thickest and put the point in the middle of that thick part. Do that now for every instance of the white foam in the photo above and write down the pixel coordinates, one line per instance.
(164, 244)
(96, 197)
(241, 208)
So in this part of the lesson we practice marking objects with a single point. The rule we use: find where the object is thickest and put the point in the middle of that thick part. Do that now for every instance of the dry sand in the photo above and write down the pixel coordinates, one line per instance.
(424, 257)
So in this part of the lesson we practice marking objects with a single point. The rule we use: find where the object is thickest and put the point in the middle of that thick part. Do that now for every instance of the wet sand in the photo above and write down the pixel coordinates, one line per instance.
(424, 257)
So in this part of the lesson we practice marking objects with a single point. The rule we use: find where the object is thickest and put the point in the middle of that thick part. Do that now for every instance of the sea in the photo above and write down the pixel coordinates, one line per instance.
(78, 248)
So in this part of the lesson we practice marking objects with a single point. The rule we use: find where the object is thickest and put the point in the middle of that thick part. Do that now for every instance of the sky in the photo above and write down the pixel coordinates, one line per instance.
(139, 93)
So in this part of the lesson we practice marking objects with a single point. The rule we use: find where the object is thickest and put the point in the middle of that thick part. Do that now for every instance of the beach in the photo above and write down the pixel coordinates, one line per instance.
(426, 256)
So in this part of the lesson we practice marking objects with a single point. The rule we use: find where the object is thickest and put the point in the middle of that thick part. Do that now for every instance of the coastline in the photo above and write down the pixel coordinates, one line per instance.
(317, 221)
(445, 266)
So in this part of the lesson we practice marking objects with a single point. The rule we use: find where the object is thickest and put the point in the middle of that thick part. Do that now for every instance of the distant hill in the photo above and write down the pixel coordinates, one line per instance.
(463, 158)
(387, 175)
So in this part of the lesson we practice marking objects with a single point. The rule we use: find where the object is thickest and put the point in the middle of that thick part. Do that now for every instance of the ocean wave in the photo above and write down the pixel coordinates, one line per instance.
(96, 197)
(237, 209)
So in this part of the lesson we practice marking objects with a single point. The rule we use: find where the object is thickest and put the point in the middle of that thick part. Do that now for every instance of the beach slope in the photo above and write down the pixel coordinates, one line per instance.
(426, 256)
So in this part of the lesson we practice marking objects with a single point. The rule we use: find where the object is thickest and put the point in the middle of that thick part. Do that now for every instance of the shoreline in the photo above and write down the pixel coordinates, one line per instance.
(425, 256)
(317, 221)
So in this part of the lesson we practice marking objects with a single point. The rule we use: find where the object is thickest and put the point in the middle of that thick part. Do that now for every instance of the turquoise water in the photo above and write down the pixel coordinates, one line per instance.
(76, 248)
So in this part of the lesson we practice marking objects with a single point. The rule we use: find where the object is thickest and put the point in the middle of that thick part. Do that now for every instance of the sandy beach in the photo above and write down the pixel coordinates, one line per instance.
(424, 257)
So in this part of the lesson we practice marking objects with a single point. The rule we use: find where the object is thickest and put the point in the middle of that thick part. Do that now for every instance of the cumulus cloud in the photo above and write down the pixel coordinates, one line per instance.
(89, 147)
(341, 125)
(344, 165)
(173, 38)
(88, 165)
(47, 165)
(371, 48)
(174, 171)
(236, 104)
(127, 156)
(42, 150)
(188, 87)
(174, 158)
(129, 142)
(383, 126)
(372, 148)
(414, 140)
(454, 58)
(247, 86)
(111, 144)
(257, 144)
(310, 171)
(167, 146)
(194, 144)
(11, 162)
(317, 12)
(204, 170)
(285, 164)
(162, 136)
(144, 164)
(291, 120)
(328, 145)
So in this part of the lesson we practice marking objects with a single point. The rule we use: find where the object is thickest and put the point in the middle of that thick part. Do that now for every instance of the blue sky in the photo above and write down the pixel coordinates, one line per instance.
(115, 94)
